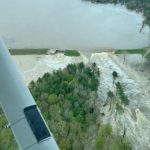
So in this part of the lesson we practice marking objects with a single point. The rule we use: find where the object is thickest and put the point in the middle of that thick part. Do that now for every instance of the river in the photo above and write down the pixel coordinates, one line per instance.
(71, 24)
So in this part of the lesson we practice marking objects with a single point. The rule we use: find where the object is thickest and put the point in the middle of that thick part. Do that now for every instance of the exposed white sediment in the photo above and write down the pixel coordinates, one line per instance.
(34, 66)
(136, 117)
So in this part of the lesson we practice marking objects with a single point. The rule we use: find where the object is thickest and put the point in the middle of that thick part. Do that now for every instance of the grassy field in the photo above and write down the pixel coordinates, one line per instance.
(141, 51)
(40, 51)
(71, 53)
(28, 51)
(145, 52)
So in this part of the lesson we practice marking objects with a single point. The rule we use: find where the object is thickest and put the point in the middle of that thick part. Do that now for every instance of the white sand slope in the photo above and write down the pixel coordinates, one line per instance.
(34, 66)
(136, 116)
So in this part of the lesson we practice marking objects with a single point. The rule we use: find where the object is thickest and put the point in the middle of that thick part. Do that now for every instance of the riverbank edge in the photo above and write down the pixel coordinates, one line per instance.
(143, 8)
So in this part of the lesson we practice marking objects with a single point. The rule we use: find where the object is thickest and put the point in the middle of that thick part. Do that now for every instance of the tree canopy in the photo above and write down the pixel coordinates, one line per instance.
(69, 103)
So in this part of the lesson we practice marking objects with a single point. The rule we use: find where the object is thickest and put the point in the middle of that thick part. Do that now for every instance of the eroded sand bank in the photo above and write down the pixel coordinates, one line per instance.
(34, 66)
(135, 119)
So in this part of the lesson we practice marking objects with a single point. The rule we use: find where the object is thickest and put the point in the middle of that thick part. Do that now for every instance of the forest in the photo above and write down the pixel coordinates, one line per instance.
(69, 103)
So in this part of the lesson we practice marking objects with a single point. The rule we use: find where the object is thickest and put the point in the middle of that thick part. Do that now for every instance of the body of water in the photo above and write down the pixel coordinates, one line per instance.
(71, 24)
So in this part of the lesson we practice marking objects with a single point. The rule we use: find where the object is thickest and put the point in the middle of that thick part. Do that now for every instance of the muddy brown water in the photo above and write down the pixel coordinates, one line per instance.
(70, 24)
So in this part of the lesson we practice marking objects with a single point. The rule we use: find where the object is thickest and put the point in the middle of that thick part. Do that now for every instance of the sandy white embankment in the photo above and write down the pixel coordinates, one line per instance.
(135, 119)
(34, 66)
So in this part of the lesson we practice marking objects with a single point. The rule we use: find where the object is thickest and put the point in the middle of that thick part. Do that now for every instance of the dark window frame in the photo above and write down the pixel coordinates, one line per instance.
(36, 123)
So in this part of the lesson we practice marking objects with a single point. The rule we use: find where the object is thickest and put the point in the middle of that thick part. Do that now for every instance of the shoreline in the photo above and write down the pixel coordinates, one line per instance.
(137, 7)
(48, 51)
